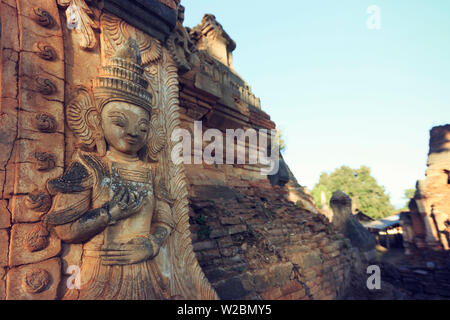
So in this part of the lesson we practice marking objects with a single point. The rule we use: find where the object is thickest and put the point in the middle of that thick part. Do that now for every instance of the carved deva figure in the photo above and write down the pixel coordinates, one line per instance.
(111, 200)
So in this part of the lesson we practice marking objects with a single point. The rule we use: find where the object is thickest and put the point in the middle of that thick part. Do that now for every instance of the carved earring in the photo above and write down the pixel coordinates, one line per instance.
(101, 145)
(99, 138)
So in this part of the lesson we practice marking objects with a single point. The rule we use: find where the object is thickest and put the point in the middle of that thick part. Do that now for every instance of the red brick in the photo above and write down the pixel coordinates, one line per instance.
(297, 295)
(237, 229)
(290, 287)
(230, 220)
(272, 294)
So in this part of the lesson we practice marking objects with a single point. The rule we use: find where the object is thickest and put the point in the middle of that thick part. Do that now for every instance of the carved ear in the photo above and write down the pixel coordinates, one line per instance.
(84, 120)
(94, 121)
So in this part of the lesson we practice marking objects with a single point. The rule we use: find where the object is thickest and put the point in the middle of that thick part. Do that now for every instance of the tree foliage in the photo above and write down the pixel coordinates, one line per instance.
(408, 195)
(281, 141)
(367, 196)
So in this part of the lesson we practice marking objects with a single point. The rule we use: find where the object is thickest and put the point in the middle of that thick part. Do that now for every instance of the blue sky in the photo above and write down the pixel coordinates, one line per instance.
(340, 92)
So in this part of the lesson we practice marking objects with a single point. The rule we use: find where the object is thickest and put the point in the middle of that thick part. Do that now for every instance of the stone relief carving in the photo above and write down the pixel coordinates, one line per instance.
(187, 279)
(33, 103)
(125, 217)
(121, 197)
(45, 86)
(181, 47)
(36, 280)
(43, 17)
(84, 120)
(126, 225)
(80, 18)
(45, 161)
(116, 32)
(45, 51)
(45, 123)
(36, 239)
(38, 201)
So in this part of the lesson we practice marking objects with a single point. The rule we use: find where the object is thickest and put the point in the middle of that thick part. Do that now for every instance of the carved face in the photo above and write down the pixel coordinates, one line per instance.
(126, 126)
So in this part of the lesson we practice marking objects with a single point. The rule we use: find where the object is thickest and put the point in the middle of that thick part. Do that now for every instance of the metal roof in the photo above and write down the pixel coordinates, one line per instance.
(383, 223)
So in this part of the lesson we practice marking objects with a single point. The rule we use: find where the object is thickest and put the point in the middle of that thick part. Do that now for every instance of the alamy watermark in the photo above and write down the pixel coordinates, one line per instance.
(263, 147)
(374, 280)
(74, 281)
(374, 20)
(73, 15)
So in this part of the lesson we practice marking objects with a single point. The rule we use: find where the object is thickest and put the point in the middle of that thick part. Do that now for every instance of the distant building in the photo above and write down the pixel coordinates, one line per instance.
(428, 219)
(388, 231)
(362, 217)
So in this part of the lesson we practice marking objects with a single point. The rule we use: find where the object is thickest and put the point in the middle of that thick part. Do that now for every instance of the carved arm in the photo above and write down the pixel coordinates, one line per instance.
(162, 226)
(84, 228)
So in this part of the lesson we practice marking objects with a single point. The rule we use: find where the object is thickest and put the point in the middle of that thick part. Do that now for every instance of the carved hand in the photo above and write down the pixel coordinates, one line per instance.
(125, 203)
(134, 251)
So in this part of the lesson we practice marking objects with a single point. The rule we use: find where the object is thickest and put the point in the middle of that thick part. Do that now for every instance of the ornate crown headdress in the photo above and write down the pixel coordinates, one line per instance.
(121, 79)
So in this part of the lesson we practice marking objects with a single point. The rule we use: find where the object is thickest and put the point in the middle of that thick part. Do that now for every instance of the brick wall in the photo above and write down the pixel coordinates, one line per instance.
(253, 243)
(420, 281)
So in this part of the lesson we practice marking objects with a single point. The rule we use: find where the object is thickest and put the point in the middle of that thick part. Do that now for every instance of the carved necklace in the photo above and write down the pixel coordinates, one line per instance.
(135, 180)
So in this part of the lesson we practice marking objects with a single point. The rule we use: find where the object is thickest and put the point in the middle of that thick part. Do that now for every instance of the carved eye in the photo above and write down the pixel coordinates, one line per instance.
(144, 128)
(119, 123)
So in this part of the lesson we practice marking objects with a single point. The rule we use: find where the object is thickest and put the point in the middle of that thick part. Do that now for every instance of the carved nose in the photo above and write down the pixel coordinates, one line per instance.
(133, 132)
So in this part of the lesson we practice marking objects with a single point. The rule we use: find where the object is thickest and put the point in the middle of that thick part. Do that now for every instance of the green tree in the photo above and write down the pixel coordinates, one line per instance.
(281, 142)
(408, 195)
(367, 196)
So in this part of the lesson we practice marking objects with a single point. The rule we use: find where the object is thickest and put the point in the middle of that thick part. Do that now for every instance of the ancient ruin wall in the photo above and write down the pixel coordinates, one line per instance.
(431, 203)
(256, 237)
(252, 238)
(48, 71)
